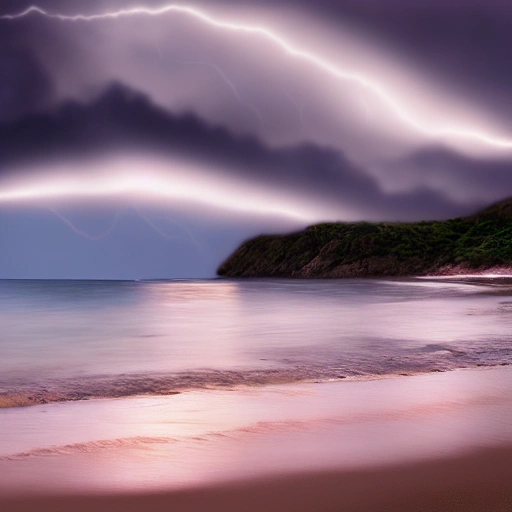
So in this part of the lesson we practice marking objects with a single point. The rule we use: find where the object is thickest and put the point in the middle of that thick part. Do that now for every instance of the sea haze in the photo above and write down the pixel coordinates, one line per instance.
(68, 340)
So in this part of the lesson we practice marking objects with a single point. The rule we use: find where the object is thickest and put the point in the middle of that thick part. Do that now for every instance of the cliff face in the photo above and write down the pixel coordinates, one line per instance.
(364, 249)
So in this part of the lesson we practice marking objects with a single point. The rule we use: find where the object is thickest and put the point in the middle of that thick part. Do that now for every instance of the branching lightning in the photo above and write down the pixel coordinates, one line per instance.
(159, 50)
(166, 235)
(233, 89)
(115, 222)
(390, 100)
(298, 106)
(366, 108)
(82, 233)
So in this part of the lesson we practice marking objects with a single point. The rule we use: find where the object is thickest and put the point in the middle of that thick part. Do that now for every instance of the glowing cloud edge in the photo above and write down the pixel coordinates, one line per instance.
(136, 186)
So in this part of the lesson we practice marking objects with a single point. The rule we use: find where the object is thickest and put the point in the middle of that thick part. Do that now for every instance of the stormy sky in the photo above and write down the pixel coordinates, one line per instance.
(149, 139)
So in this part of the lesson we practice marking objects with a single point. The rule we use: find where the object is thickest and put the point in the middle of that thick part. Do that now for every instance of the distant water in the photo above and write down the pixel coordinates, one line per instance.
(66, 340)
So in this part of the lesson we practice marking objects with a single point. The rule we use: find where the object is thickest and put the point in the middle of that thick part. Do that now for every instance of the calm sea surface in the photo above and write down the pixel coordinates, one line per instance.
(63, 340)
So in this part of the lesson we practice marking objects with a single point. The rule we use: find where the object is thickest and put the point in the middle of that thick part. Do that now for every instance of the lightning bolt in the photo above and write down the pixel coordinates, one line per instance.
(115, 222)
(298, 106)
(159, 50)
(233, 89)
(372, 86)
(366, 108)
(83, 234)
(165, 235)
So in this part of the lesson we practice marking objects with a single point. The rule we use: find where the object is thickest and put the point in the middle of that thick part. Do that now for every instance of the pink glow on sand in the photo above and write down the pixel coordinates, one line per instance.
(209, 436)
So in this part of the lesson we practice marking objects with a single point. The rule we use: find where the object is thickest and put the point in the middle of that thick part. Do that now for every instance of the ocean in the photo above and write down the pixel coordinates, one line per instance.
(160, 385)
(69, 340)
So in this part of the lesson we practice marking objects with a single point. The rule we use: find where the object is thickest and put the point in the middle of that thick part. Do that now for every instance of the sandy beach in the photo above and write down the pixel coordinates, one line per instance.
(255, 256)
(480, 481)
(440, 441)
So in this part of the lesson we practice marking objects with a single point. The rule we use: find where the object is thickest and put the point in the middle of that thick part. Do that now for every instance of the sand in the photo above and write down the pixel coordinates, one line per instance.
(426, 442)
(480, 481)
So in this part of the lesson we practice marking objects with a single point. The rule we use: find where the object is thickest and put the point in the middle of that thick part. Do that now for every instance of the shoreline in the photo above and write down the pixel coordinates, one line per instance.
(323, 334)
(470, 482)
(219, 439)
(169, 385)
(496, 271)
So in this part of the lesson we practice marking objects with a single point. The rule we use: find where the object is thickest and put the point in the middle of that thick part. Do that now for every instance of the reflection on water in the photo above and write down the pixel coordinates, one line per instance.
(189, 333)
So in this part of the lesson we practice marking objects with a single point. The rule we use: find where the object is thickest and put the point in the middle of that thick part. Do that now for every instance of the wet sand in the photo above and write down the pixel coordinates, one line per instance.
(479, 481)
(427, 442)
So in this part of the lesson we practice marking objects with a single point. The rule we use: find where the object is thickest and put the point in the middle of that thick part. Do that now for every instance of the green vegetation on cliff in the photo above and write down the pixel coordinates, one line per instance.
(385, 249)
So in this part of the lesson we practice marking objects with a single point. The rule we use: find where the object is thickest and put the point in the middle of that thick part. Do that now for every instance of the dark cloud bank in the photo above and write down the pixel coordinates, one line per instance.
(122, 119)
(464, 43)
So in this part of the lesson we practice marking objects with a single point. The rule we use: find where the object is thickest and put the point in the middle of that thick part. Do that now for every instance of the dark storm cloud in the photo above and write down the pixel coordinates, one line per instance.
(25, 86)
(460, 48)
(122, 119)
(460, 41)
(457, 71)
(442, 169)
(465, 42)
